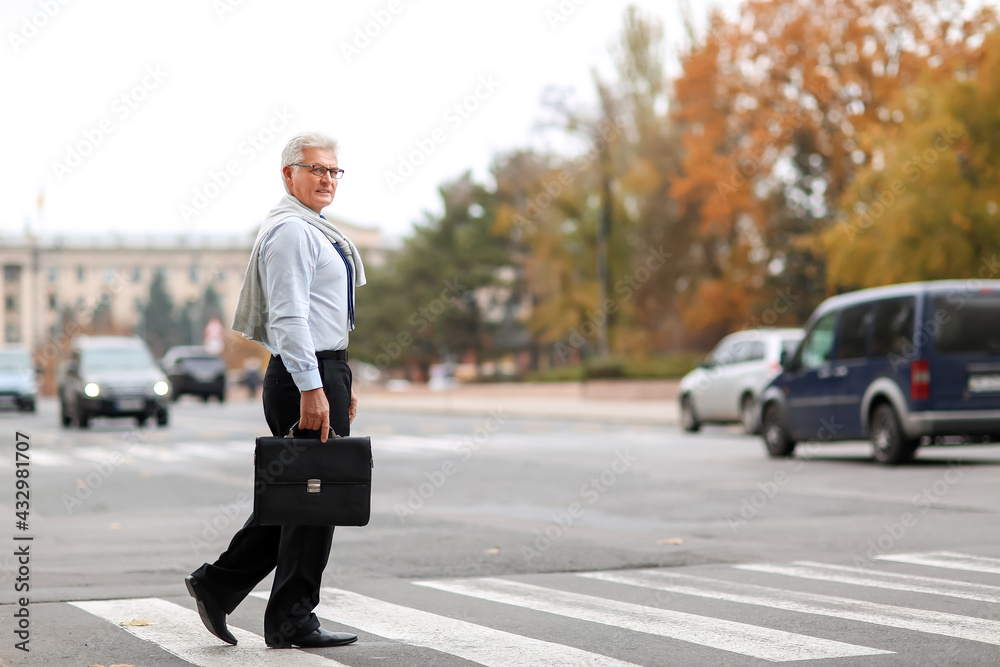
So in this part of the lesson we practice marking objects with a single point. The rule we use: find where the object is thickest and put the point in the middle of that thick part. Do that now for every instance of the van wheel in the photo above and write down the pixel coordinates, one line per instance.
(689, 420)
(777, 439)
(746, 415)
(889, 445)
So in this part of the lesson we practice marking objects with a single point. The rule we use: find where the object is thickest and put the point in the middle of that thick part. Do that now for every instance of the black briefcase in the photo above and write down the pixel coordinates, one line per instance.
(302, 481)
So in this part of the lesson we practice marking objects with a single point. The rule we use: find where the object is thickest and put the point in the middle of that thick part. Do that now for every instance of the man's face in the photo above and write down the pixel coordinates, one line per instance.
(316, 192)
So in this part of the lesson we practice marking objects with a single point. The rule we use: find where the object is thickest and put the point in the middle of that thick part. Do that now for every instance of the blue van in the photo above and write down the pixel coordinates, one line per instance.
(901, 365)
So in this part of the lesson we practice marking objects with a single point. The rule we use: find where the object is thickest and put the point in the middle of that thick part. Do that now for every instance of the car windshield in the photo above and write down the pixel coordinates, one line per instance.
(788, 346)
(14, 360)
(968, 323)
(116, 359)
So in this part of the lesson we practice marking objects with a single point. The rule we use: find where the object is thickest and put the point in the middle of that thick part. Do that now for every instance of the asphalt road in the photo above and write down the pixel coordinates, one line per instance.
(506, 541)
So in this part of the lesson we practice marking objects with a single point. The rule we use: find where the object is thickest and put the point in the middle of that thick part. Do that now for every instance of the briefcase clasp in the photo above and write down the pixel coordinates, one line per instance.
(312, 486)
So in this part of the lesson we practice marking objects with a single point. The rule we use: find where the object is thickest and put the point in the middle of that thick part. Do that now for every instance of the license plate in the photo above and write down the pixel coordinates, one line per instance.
(984, 383)
(131, 404)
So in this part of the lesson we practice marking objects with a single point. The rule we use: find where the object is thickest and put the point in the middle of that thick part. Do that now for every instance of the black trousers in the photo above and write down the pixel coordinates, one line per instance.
(298, 554)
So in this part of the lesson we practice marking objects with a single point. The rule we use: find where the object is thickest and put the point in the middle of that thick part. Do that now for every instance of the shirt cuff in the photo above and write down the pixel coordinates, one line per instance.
(308, 379)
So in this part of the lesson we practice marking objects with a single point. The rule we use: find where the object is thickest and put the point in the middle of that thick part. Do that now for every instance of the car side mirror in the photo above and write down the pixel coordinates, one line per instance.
(784, 359)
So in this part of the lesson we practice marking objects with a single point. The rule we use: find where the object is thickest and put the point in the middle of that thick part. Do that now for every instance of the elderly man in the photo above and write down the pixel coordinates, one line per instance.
(297, 300)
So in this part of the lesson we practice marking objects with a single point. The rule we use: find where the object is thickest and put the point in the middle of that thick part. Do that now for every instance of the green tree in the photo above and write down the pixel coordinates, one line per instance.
(160, 328)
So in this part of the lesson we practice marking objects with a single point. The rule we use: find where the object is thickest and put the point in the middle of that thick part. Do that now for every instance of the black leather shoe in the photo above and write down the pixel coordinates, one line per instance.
(318, 638)
(211, 613)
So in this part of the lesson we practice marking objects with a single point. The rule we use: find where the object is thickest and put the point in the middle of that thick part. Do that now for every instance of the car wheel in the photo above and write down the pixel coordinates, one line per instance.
(777, 439)
(205, 397)
(689, 419)
(889, 444)
(162, 418)
(222, 396)
(746, 415)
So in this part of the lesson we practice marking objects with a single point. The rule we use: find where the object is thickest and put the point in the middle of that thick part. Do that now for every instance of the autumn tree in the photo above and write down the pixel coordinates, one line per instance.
(928, 205)
(776, 106)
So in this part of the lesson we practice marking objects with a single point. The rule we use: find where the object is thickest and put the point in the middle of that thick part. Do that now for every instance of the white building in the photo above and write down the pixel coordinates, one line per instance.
(43, 277)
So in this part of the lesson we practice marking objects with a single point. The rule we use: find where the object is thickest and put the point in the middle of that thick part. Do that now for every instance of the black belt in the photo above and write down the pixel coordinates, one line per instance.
(339, 355)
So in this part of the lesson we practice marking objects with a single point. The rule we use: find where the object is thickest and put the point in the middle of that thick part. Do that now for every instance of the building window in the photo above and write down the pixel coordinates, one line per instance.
(53, 274)
(80, 273)
(52, 302)
(13, 333)
(11, 304)
(11, 273)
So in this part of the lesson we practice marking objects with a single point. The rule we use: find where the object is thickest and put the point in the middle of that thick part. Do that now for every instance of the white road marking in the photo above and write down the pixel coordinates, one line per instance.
(921, 620)
(949, 560)
(180, 632)
(477, 643)
(50, 459)
(741, 638)
(843, 574)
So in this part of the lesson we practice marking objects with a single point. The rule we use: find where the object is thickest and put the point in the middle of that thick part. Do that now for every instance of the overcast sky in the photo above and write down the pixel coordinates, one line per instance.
(169, 117)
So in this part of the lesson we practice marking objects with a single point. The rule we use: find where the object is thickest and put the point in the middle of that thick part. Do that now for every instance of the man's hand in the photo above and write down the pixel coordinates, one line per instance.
(352, 411)
(314, 412)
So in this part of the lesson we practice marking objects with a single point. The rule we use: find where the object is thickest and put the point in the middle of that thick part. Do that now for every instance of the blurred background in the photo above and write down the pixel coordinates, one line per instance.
(541, 191)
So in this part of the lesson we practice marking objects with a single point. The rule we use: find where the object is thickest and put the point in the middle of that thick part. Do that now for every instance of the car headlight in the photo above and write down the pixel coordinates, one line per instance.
(161, 388)
(92, 389)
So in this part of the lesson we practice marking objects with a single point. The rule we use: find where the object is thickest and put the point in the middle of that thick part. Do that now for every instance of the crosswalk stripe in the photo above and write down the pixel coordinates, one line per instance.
(949, 560)
(741, 638)
(50, 459)
(890, 580)
(180, 632)
(487, 646)
(932, 622)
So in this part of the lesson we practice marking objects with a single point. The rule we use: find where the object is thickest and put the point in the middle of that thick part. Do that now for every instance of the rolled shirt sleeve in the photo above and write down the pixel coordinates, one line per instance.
(287, 269)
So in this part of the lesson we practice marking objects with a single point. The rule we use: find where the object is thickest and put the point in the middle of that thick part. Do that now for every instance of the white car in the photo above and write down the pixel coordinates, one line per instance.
(725, 387)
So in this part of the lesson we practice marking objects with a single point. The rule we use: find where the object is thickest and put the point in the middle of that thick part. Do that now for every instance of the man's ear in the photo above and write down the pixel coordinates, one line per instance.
(286, 171)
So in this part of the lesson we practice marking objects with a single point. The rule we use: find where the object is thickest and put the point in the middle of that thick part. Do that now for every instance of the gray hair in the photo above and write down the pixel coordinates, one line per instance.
(292, 152)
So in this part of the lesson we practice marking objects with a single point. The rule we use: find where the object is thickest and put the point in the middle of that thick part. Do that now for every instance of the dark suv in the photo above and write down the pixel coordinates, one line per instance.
(902, 365)
(192, 369)
(111, 376)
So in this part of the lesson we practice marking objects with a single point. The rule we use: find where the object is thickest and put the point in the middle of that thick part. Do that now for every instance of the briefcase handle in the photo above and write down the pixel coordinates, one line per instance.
(291, 432)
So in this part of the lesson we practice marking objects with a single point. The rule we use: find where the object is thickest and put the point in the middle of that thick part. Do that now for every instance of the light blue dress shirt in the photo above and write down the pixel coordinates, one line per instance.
(306, 285)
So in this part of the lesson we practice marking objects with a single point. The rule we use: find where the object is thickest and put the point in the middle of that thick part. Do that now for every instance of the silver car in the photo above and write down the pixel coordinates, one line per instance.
(725, 387)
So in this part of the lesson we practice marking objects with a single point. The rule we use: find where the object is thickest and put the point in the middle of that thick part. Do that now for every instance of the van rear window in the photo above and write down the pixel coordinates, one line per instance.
(970, 323)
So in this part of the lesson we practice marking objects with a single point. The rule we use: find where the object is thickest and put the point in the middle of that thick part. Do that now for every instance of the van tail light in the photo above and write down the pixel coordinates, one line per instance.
(920, 379)
(775, 368)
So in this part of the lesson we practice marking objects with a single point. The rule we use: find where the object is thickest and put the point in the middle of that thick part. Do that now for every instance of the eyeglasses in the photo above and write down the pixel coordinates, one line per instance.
(320, 170)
